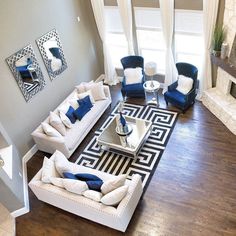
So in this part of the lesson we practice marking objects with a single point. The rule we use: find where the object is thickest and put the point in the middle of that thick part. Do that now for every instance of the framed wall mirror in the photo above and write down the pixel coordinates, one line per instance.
(51, 50)
(25, 68)
(232, 56)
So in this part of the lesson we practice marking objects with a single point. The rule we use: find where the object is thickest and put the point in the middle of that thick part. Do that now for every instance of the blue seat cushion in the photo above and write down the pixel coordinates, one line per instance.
(175, 96)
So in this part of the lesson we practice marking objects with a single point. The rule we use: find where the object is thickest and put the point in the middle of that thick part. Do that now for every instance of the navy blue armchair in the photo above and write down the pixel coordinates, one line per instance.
(175, 97)
(133, 90)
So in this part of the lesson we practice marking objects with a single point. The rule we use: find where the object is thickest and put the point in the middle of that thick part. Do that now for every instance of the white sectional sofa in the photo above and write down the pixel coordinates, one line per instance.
(67, 144)
(115, 217)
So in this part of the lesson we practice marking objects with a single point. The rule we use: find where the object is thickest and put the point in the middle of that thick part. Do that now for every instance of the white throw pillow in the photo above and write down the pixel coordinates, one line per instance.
(81, 87)
(49, 130)
(48, 170)
(73, 102)
(185, 84)
(93, 195)
(75, 186)
(88, 93)
(65, 120)
(61, 163)
(112, 184)
(56, 123)
(114, 197)
(133, 75)
(64, 107)
(57, 181)
(97, 90)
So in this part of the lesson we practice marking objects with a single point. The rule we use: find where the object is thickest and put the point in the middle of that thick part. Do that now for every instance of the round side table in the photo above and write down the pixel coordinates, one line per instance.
(152, 87)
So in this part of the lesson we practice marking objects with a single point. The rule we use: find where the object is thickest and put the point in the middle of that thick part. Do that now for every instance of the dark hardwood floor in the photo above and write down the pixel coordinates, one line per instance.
(193, 191)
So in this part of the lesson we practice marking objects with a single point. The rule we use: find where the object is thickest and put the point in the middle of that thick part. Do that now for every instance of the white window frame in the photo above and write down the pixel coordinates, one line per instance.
(148, 29)
(186, 33)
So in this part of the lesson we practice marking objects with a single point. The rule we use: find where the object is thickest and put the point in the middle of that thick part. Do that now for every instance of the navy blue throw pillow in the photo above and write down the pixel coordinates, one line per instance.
(69, 175)
(94, 185)
(87, 177)
(70, 114)
(85, 101)
(81, 111)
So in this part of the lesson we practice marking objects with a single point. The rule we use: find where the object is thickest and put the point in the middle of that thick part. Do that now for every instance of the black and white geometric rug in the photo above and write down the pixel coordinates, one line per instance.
(149, 155)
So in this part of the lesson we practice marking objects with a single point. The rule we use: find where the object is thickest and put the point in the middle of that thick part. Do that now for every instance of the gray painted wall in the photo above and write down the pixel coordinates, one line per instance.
(21, 22)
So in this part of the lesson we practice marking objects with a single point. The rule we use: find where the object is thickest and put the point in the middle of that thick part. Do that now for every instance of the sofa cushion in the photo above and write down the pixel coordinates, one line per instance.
(74, 135)
(97, 90)
(48, 170)
(65, 120)
(49, 130)
(115, 196)
(56, 123)
(81, 111)
(93, 195)
(69, 175)
(87, 177)
(70, 114)
(61, 163)
(113, 184)
(87, 93)
(57, 181)
(85, 101)
(75, 186)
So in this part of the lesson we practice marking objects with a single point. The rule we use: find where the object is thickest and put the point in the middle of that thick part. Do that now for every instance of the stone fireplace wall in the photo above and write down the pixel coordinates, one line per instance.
(230, 26)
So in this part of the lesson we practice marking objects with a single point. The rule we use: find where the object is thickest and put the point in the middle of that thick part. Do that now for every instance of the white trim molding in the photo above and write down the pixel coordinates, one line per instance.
(25, 209)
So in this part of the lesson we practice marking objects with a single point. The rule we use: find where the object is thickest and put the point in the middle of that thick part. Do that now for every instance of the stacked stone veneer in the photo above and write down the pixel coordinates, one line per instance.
(218, 100)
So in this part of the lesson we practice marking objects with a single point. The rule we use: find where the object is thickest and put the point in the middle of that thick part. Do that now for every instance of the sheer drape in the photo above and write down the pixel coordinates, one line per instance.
(167, 20)
(99, 15)
(125, 9)
(210, 9)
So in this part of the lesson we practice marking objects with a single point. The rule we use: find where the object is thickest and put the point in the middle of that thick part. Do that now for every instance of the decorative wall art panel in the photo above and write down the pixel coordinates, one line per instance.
(25, 68)
(51, 50)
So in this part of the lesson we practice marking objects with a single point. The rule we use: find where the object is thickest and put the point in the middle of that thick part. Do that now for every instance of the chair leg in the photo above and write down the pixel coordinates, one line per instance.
(166, 102)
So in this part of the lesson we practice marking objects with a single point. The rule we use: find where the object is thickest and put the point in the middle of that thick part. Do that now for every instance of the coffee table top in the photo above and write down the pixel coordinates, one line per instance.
(130, 143)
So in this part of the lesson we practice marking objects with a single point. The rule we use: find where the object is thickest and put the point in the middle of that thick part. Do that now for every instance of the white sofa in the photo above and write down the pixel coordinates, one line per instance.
(67, 144)
(114, 217)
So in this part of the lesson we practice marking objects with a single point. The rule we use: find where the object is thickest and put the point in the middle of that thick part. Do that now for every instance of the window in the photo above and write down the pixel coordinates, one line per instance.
(189, 37)
(115, 35)
(149, 36)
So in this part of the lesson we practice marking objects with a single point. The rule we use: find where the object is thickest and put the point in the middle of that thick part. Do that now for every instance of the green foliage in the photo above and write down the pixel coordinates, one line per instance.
(218, 38)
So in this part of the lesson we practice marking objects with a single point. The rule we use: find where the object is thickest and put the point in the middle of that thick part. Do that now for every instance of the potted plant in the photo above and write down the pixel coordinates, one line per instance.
(218, 38)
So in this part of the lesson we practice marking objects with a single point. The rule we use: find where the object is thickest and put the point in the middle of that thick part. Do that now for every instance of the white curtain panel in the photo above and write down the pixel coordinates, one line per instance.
(210, 9)
(167, 20)
(99, 15)
(125, 9)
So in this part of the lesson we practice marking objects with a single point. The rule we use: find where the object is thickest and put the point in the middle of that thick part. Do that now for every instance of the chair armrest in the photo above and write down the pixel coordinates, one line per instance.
(129, 203)
(50, 144)
(173, 86)
(190, 96)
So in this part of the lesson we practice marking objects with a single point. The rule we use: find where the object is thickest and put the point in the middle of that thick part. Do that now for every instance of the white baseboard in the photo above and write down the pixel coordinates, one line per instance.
(25, 209)
(30, 153)
(100, 78)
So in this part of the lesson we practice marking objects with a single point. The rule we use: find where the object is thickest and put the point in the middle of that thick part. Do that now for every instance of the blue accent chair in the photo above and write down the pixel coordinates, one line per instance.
(133, 90)
(175, 97)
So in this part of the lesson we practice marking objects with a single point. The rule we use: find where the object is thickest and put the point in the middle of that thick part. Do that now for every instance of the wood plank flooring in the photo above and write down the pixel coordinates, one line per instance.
(193, 191)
